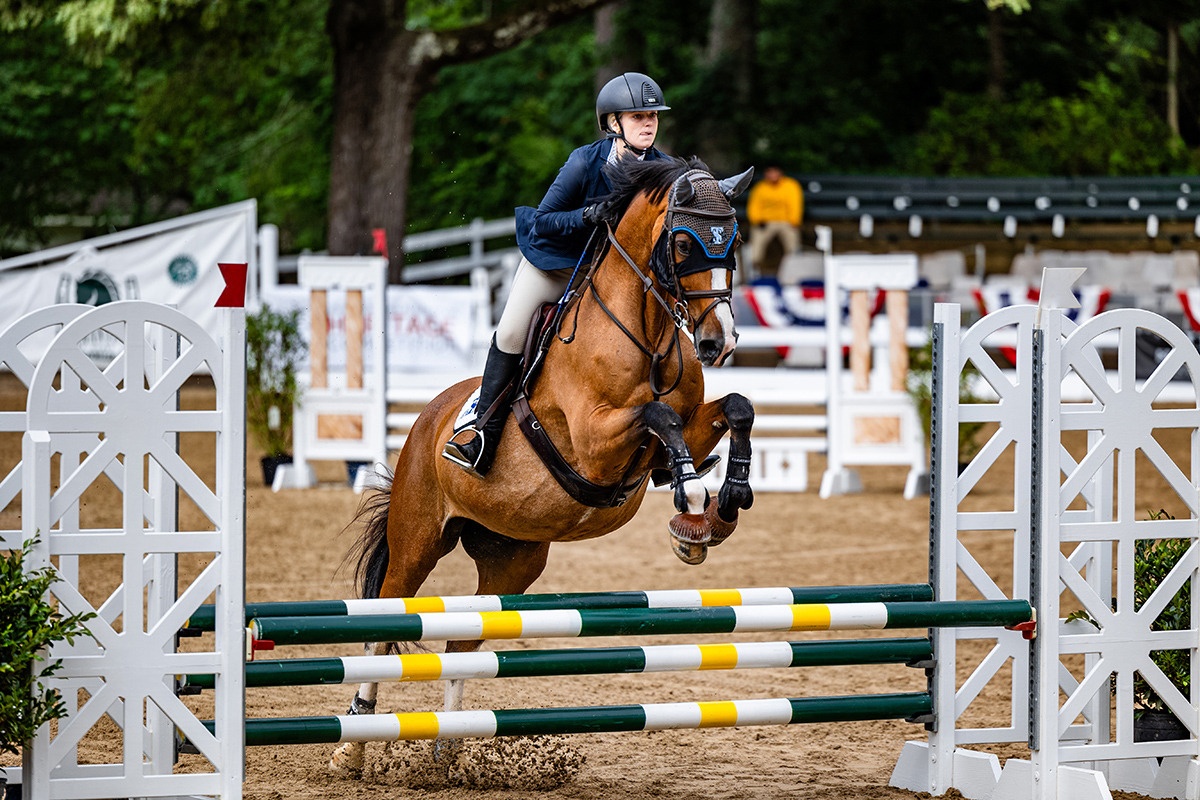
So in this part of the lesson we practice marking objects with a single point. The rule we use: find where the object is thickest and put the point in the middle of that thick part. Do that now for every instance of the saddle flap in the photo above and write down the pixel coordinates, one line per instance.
(537, 342)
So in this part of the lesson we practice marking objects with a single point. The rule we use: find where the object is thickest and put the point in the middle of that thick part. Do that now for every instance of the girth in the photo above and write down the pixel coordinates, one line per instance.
(541, 330)
(578, 487)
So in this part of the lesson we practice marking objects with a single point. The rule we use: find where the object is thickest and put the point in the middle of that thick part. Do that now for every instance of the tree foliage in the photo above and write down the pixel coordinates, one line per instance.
(205, 110)
(491, 139)
(164, 106)
(1101, 130)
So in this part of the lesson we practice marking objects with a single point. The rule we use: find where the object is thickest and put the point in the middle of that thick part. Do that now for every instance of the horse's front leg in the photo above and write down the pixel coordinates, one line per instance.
(704, 429)
(735, 492)
(690, 533)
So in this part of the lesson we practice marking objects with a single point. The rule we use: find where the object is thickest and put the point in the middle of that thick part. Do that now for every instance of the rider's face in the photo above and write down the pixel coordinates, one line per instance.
(640, 127)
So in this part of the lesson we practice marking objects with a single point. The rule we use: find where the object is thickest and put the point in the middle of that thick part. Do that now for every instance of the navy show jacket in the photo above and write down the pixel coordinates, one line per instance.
(554, 235)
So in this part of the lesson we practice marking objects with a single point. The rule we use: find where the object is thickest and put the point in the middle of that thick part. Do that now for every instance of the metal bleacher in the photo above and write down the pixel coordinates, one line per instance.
(1027, 200)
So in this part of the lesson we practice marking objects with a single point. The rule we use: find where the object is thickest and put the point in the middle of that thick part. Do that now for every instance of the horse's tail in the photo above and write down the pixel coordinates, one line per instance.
(369, 554)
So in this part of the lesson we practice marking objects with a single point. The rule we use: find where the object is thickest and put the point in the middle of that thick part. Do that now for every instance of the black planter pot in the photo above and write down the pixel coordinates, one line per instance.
(269, 463)
(1158, 726)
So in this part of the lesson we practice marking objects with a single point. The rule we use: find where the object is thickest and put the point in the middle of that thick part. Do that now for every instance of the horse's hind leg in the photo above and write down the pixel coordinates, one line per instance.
(505, 566)
(412, 554)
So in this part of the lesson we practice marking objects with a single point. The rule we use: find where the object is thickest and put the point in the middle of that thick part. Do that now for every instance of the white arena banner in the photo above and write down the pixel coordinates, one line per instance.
(430, 328)
(172, 262)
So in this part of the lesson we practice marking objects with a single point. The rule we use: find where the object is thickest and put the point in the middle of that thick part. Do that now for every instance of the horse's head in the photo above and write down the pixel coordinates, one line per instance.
(693, 258)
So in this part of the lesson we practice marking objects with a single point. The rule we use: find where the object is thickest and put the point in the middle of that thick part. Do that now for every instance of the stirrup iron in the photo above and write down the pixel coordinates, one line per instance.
(453, 452)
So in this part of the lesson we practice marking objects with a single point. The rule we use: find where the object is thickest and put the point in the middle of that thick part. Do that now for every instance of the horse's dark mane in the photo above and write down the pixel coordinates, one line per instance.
(630, 177)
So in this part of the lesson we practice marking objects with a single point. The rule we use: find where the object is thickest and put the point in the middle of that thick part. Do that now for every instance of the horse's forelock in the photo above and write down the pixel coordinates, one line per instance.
(630, 177)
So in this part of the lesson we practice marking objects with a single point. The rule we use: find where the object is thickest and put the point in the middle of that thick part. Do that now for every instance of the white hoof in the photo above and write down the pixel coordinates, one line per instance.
(347, 760)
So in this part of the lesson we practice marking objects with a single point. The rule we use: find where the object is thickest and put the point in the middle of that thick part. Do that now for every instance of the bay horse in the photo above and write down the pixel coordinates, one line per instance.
(619, 394)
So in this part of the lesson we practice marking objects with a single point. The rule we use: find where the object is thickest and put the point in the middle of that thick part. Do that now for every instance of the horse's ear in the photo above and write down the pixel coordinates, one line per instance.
(732, 187)
(684, 192)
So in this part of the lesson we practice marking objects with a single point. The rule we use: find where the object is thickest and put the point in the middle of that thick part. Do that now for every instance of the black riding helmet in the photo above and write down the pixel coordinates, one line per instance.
(631, 91)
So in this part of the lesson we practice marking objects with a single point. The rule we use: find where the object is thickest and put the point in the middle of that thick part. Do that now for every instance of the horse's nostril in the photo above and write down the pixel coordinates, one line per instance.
(709, 350)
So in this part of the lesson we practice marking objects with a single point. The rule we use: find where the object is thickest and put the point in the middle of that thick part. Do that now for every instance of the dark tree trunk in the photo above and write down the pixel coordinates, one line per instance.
(376, 90)
(996, 63)
(614, 60)
(381, 70)
(729, 60)
(1173, 76)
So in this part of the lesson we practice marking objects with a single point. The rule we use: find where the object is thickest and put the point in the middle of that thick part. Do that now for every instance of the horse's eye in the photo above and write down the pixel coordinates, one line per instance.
(683, 246)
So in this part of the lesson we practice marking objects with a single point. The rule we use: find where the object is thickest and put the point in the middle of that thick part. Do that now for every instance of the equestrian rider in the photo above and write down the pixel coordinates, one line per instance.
(552, 239)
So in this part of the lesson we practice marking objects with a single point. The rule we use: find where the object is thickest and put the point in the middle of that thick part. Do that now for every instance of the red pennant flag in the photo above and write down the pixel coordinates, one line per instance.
(234, 293)
(379, 236)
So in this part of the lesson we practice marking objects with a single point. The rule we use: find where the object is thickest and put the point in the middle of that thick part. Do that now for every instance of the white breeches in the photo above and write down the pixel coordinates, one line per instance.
(530, 288)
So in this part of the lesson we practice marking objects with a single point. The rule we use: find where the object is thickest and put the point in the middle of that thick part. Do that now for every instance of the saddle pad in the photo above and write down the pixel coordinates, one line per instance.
(466, 415)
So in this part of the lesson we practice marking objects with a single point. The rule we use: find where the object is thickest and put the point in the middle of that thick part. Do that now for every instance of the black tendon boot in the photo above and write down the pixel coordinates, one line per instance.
(474, 448)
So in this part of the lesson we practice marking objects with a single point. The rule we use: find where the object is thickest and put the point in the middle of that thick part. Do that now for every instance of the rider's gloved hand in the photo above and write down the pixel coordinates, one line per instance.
(594, 214)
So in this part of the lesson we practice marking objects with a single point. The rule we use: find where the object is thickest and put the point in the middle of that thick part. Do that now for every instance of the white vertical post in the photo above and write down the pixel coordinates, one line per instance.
(35, 522)
(835, 480)
(943, 498)
(268, 257)
(1044, 691)
(161, 568)
(230, 699)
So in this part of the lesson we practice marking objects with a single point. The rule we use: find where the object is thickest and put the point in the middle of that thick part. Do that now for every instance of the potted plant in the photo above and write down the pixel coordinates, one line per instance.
(1153, 560)
(920, 389)
(29, 624)
(274, 349)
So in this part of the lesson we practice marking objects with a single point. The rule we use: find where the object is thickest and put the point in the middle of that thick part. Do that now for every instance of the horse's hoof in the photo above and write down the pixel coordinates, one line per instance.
(719, 528)
(347, 760)
(689, 537)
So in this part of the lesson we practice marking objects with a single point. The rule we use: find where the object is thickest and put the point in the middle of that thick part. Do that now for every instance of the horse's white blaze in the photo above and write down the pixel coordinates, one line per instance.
(724, 314)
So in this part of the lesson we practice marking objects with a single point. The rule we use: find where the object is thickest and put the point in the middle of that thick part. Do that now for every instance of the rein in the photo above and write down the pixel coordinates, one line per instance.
(678, 314)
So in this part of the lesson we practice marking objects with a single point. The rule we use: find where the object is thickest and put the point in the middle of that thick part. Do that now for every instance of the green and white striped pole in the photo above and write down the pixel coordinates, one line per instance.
(594, 719)
(576, 661)
(632, 622)
(666, 598)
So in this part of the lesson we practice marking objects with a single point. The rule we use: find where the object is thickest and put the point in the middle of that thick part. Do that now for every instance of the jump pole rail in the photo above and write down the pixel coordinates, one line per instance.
(915, 652)
(202, 620)
(593, 719)
(267, 632)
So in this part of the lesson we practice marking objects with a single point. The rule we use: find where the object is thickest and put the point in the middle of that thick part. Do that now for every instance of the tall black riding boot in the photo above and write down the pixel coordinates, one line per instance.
(474, 448)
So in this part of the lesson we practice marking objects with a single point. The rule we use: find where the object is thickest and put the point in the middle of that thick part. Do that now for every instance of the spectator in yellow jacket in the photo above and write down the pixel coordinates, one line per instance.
(775, 209)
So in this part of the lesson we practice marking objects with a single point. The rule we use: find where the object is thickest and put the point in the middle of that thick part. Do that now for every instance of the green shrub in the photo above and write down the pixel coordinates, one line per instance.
(920, 389)
(28, 625)
(274, 349)
(1153, 560)
(1102, 129)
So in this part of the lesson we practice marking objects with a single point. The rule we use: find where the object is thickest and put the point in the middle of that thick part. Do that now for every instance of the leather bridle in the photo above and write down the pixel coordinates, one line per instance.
(676, 310)
(669, 228)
